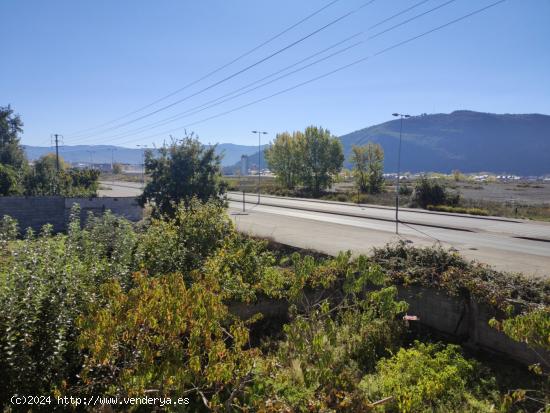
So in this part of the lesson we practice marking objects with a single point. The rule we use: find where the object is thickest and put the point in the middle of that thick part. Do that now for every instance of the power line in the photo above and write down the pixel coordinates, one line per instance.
(414, 6)
(380, 52)
(234, 94)
(162, 108)
(230, 96)
(209, 74)
(411, 19)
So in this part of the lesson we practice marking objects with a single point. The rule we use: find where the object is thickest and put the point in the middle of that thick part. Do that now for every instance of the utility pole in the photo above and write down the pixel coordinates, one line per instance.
(112, 158)
(398, 170)
(56, 137)
(260, 133)
(91, 159)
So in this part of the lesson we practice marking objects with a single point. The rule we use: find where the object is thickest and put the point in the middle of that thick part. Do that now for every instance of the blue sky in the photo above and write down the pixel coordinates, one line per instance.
(71, 65)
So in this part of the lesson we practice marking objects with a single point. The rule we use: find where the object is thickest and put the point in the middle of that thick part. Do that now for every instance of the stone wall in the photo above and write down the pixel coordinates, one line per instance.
(34, 212)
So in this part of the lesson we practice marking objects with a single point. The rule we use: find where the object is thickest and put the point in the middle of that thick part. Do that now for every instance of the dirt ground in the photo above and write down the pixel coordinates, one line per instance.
(522, 193)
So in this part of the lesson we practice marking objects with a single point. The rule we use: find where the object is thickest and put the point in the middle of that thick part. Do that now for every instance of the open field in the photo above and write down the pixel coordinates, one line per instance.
(524, 200)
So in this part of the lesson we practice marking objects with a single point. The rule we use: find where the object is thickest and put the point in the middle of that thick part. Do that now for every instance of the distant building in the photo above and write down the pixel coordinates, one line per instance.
(244, 165)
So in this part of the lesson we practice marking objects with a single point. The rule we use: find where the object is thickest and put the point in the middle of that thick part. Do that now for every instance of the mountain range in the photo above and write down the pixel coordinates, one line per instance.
(464, 140)
(106, 153)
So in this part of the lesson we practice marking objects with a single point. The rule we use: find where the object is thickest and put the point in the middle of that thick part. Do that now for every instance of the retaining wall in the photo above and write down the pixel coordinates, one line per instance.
(34, 212)
(461, 319)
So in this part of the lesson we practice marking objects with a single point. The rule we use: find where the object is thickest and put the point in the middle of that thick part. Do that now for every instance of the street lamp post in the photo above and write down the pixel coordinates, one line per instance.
(401, 116)
(144, 147)
(260, 133)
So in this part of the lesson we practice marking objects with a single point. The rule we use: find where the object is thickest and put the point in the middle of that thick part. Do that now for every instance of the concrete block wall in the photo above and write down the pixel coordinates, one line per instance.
(34, 212)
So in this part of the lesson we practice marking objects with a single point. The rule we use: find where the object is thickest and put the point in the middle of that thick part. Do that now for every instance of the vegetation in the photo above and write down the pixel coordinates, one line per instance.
(430, 192)
(432, 377)
(11, 152)
(368, 167)
(458, 210)
(180, 171)
(163, 309)
(439, 268)
(117, 168)
(45, 178)
(310, 159)
(283, 157)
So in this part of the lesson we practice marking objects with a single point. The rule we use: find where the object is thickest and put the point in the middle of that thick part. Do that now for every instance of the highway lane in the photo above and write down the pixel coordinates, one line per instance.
(490, 241)
(497, 225)
(120, 188)
(331, 227)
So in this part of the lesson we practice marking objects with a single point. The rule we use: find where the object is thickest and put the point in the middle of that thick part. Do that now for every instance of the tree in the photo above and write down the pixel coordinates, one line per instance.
(8, 181)
(375, 169)
(181, 171)
(11, 152)
(321, 157)
(117, 168)
(359, 161)
(44, 179)
(368, 167)
(282, 158)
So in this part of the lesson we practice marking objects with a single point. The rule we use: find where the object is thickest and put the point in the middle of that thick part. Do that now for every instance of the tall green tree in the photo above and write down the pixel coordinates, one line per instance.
(183, 170)
(11, 152)
(322, 156)
(368, 167)
(283, 158)
(13, 162)
(45, 180)
(375, 169)
(359, 161)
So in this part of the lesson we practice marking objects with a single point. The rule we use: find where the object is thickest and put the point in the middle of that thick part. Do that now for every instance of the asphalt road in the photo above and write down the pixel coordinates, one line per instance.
(120, 188)
(506, 244)
(330, 227)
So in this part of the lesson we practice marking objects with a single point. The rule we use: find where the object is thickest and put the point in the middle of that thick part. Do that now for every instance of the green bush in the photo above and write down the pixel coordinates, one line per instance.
(9, 184)
(458, 210)
(436, 267)
(45, 285)
(183, 242)
(9, 229)
(162, 335)
(329, 344)
(431, 192)
(429, 378)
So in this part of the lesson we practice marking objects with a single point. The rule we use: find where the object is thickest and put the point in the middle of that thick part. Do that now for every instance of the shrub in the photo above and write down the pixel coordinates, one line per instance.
(430, 192)
(244, 267)
(458, 210)
(9, 229)
(427, 378)
(45, 285)
(436, 267)
(161, 335)
(532, 327)
(181, 243)
(329, 345)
